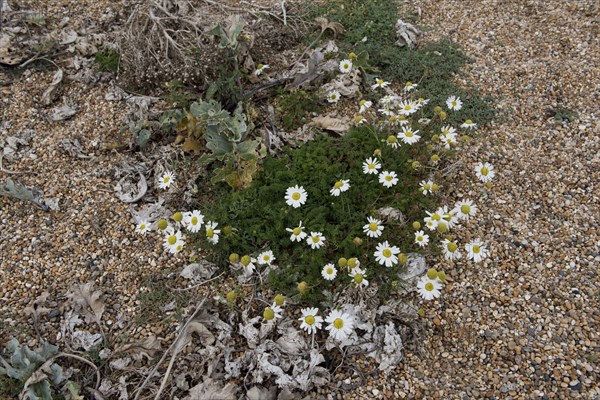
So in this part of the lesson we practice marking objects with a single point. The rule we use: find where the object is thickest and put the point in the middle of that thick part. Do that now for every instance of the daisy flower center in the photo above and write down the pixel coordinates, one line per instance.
(429, 286)
(296, 196)
(387, 253)
(338, 184)
(346, 65)
(309, 319)
(142, 227)
(392, 139)
(269, 314)
(371, 166)
(420, 238)
(329, 271)
(194, 220)
(297, 231)
(465, 209)
(407, 107)
(260, 66)
(454, 103)
(338, 323)
(380, 81)
(362, 103)
(315, 239)
(484, 171)
(476, 249)
(266, 258)
(179, 247)
(436, 217)
(469, 122)
(352, 262)
(452, 247)
(388, 178)
(358, 278)
(210, 233)
(427, 186)
(166, 179)
(409, 134)
(172, 240)
(373, 226)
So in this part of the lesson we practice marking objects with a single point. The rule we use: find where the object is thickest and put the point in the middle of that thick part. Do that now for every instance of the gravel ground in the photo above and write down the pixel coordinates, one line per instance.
(523, 324)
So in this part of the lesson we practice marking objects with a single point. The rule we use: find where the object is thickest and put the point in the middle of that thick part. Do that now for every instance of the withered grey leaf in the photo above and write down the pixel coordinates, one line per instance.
(130, 191)
(18, 190)
(50, 92)
(210, 389)
(61, 113)
(72, 147)
(338, 125)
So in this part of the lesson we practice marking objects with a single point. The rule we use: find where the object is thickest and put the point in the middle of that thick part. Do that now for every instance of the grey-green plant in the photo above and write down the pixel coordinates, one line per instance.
(24, 362)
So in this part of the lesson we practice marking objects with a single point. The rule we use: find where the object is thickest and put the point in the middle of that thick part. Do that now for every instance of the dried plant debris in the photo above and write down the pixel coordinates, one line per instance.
(72, 147)
(87, 301)
(18, 190)
(50, 92)
(62, 112)
(337, 125)
(12, 144)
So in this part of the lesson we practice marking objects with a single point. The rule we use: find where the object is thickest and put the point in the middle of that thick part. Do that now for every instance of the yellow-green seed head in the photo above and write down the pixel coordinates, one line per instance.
(489, 185)
(279, 299)
(465, 138)
(402, 259)
(435, 138)
(421, 312)
(303, 287)
(377, 152)
(342, 262)
(246, 260)
(352, 262)
(260, 66)
(435, 187)
(416, 225)
(352, 55)
(357, 241)
(443, 115)
(442, 227)
(415, 165)
(362, 103)
(227, 230)
(162, 224)
(231, 296)
(358, 278)
(437, 109)
(435, 158)
(234, 257)
(452, 247)
(432, 273)
(269, 314)
(178, 216)
(442, 276)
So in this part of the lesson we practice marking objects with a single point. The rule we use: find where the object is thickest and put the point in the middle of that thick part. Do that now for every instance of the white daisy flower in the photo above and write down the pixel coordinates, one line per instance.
(449, 140)
(379, 84)
(422, 102)
(447, 217)
(407, 107)
(248, 264)
(388, 112)
(359, 120)
(265, 258)
(364, 106)
(450, 250)
(448, 130)
(345, 66)
(429, 289)
(464, 209)
(260, 68)
(426, 187)
(392, 141)
(485, 172)
(468, 124)
(212, 233)
(374, 228)
(409, 136)
(371, 165)
(316, 240)
(297, 233)
(311, 322)
(388, 178)
(273, 313)
(409, 86)
(295, 196)
(173, 240)
(358, 277)
(454, 103)
(142, 227)
(424, 121)
(329, 272)
(339, 187)
(421, 238)
(193, 220)
(476, 250)
(386, 254)
(340, 324)
(333, 96)
(166, 180)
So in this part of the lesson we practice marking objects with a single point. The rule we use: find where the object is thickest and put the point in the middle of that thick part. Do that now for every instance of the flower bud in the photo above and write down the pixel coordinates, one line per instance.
(416, 225)
(357, 241)
(342, 262)
(234, 257)
(162, 224)
(178, 217)
(279, 300)
(231, 296)
(432, 273)
(303, 287)
(402, 259)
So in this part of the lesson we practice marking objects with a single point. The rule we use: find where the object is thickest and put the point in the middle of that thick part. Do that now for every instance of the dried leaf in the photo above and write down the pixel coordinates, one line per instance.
(9, 53)
(85, 340)
(129, 191)
(61, 113)
(50, 92)
(335, 27)
(87, 301)
(199, 271)
(407, 34)
(391, 214)
(72, 147)
(209, 389)
(338, 125)
(18, 190)
(192, 145)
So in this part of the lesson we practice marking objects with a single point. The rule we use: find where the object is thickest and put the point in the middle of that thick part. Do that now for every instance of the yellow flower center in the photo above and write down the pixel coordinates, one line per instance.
(465, 209)
(409, 134)
(358, 278)
(172, 240)
(387, 253)
(452, 247)
(429, 286)
(407, 107)
(142, 227)
(436, 217)
(427, 186)
(330, 271)
(210, 233)
(409, 83)
(373, 226)
(260, 66)
(469, 122)
(362, 103)
(420, 238)
(166, 179)
(371, 166)
(454, 103)
(194, 220)
(388, 178)
(346, 66)
(380, 81)
(352, 262)
(296, 196)
(338, 184)
(266, 257)
(269, 314)
(309, 319)
(392, 139)
(245, 260)
(179, 247)
(338, 323)
(484, 171)
(316, 239)
(476, 249)
(297, 231)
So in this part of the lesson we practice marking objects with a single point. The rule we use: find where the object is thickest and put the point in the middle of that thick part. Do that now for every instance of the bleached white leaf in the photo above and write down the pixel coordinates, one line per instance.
(48, 95)
(130, 190)
(338, 125)
(414, 269)
(292, 342)
(199, 271)
(210, 389)
(85, 340)
(120, 363)
(61, 113)
(264, 364)
(87, 301)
